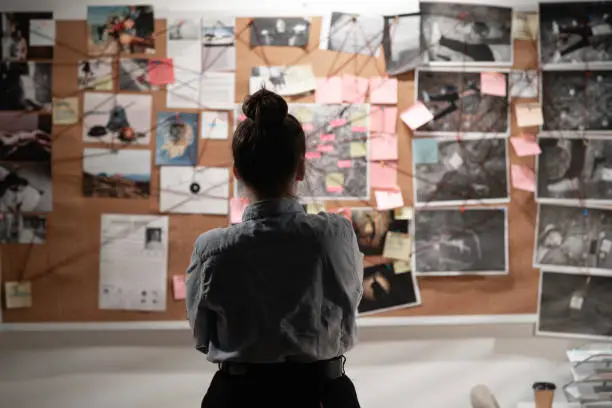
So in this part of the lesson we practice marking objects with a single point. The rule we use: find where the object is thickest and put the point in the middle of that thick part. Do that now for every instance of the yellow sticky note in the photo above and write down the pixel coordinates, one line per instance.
(315, 208)
(529, 114)
(334, 180)
(303, 114)
(401, 267)
(397, 246)
(358, 149)
(404, 213)
(18, 295)
(359, 117)
(65, 111)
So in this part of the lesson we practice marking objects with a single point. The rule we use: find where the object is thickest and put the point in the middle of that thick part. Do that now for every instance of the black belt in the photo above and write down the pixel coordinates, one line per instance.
(329, 369)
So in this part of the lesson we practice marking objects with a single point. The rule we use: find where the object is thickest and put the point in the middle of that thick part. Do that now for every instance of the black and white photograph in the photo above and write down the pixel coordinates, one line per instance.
(286, 81)
(153, 239)
(134, 75)
(18, 228)
(402, 43)
(25, 187)
(280, 31)
(25, 137)
(573, 238)
(458, 106)
(384, 289)
(575, 170)
(371, 227)
(25, 86)
(576, 34)
(576, 102)
(524, 83)
(575, 305)
(469, 171)
(352, 34)
(27, 36)
(456, 242)
(96, 74)
(458, 34)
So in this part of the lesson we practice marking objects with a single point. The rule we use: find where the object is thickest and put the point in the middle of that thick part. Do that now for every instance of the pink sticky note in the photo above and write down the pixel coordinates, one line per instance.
(346, 213)
(354, 89)
(359, 129)
(325, 148)
(334, 189)
(493, 83)
(328, 137)
(237, 207)
(345, 164)
(383, 119)
(337, 122)
(307, 127)
(383, 90)
(178, 287)
(383, 146)
(389, 199)
(241, 117)
(383, 174)
(313, 155)
(526, 145)
(416, 116)
(329, 90)
(161, 71)
(523, 178)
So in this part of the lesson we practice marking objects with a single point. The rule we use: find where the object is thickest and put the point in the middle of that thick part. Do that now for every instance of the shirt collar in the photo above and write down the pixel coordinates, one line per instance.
(273, 207)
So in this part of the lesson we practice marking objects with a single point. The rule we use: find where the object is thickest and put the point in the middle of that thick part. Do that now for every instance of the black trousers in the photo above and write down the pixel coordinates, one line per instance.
(280, 386)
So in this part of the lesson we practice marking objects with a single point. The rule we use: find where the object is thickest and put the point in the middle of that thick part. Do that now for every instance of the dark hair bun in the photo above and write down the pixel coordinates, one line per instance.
(266, 108)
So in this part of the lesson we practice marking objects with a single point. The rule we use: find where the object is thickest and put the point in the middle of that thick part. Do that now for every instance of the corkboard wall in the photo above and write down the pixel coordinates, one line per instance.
(64, 271)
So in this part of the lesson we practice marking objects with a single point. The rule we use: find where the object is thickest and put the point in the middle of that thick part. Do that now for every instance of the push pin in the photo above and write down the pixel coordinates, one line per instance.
(463, 15)
(354, 18)
(585, 212)
(462, 209)
(194, 188)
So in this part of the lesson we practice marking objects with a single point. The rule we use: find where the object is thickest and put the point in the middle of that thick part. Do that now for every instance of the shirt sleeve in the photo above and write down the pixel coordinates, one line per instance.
(195, 299)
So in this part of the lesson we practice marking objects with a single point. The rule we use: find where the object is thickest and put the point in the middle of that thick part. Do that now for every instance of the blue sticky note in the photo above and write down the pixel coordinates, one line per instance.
(425, 151)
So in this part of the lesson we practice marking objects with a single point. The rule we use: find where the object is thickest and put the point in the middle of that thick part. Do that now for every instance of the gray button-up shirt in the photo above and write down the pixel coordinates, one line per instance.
(282, 285)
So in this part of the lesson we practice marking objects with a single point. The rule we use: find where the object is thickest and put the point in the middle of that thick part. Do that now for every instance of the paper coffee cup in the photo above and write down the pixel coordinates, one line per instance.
(544, 394)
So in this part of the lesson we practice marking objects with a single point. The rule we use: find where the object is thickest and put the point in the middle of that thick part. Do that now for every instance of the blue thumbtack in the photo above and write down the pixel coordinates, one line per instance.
(586, 212)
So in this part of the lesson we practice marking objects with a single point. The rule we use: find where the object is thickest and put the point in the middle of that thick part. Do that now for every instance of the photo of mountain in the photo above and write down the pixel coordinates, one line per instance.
(116, 173)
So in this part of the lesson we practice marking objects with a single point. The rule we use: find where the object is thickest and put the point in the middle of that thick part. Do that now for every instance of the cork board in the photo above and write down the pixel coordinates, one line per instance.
(64, 270)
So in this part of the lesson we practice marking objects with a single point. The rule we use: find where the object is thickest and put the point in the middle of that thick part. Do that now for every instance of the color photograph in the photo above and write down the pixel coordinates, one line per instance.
(96, 74)
(218, 45)
(280, 31)
(401, 43)
(25, 86)
(25, 187)
(120, 29)
(116, 173)
(386, 288)
(27, 36)
(134, 75)
(17, 228)
(352, 34)
(25, 137)
(371, 227)
(176, 139)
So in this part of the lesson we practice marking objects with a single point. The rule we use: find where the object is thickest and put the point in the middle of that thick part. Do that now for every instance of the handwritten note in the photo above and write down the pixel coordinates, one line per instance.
(178, 287)
(383, 119)
(388, 199)
(354, 89)
(397, 246)
(161, 71)
(65, 111)
(416, 116)
(383, 90)
(523, 178)
(401, 267)
(383, 174)
(493, 83)
(237, 207)
(525, 145)
(18, 295)
(315, 208)
(383, 146)
(425, 151)
(329, 90)
(529, 114)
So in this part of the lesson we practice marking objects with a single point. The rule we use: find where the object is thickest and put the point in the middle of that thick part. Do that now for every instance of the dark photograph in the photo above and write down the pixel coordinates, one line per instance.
(469, 171)
(352, 34)
(153, 239)
(25, 137)
(576, 34)
(280, 32)
(25, 86)
(575, 170)
(402, 43)
(461, 242)
(577, 101)
(18, 228)
(371, 227)
(384, 288)
(120, 29)
(25, 187)
(455, 99)
(27, 36)
(455, 33)
(573, 238)
(575, 305)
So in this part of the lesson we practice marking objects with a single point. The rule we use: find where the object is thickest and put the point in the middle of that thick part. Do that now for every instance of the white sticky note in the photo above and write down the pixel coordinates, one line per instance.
(455, 161)
(18, 295)
(576, 302)
(606, 245)
(42, 33)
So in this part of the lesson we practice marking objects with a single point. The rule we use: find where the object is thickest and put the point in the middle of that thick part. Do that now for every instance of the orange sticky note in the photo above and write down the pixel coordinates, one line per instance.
(529, 114)
(237, 207)
(383, 146)
(383, 174)
(416, 115)
(178, 287)
(329, 90)
(523, 178)
(354, 89)
(389, 199)
(383, 119)
(526, 145)
(493, 83)
(383, 90)
(161, 71)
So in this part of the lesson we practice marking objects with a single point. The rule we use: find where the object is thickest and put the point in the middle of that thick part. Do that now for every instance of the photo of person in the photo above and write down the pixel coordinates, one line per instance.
(573, 238)
(454, 242)
(124, 29)
(575, 34)
(124, 173)
(134, 75)
(575, 170)
(575, 305)
(279, 32)
(352, 34)
(385, 289)
(153, 239)
(574, 101)
(25, 86)
(17, 228)
(25, 137)
(456, 33)
(25, 187)
(176, 139)
(96, 74)
(371, 227)
(455, 99)
(469, 171)
(23, 38)
(401, 43)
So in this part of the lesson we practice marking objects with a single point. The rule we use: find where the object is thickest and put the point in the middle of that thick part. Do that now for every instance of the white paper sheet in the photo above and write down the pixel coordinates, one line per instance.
(42, 33)
(214, 125)
(217, 90)
(133, 262)
(211, 186)
(184, 93)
